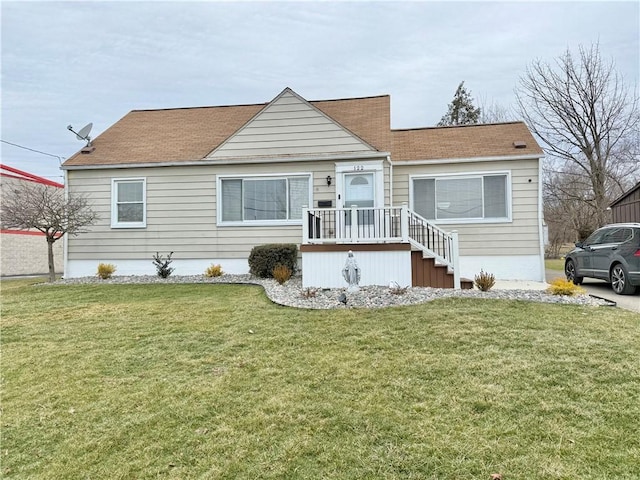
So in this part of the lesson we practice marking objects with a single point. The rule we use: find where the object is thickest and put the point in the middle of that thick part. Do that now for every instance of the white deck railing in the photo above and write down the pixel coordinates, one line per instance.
(354, 225)
(381, 225)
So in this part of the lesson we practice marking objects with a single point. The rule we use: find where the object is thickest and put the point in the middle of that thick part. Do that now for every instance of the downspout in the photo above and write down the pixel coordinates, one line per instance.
(65, 244)
(390, 181)
(540, 221)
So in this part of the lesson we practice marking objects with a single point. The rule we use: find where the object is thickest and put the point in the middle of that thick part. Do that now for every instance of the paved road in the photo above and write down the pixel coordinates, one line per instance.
(602, 289)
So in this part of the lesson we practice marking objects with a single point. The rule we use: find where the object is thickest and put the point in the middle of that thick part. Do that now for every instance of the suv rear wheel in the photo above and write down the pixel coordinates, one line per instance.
(570, 272)
(620, 280)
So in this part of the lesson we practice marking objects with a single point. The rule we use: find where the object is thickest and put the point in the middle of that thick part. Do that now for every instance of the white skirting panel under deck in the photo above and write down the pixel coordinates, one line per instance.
(324, 269)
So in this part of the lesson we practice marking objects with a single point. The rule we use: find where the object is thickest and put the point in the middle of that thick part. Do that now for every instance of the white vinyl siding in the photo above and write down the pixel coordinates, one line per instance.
(289, 126)
(462, 198)
(520, 236)
(128, 203)
(263, 200)
(182, 213)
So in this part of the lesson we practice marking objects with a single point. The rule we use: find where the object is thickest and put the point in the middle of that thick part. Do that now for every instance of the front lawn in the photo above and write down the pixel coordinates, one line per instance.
(214, 381)
(554, 264)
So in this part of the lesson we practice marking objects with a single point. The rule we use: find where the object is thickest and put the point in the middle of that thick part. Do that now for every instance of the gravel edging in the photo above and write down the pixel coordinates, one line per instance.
(291, 294)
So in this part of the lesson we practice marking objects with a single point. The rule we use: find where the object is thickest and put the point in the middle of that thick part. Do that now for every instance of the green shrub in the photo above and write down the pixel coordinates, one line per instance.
(162, 266)
(213, 271)
(561, 286)
(264, 258)
(105, 270)
(281, 273)
(484, 281)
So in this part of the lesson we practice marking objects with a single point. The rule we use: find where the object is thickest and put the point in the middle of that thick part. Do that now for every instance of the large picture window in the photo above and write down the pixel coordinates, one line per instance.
(263, 199)
(128, 203)
(466, 198)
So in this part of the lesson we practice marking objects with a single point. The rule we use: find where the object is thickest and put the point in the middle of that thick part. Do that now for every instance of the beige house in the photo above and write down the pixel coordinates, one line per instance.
(24, 252)
(418, 206)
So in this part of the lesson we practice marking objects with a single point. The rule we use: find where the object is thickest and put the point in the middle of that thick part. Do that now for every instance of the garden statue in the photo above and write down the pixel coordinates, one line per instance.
(351, 273)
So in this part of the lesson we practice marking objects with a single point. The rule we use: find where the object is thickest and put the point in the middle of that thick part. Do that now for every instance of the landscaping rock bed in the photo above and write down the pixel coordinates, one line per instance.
(293, 295)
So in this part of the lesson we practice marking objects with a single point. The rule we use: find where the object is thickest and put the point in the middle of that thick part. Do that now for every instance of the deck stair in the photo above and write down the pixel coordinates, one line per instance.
(434, 258)
(426, 273)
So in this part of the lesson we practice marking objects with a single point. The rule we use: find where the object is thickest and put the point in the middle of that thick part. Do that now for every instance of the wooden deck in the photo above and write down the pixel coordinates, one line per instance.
(434, 263)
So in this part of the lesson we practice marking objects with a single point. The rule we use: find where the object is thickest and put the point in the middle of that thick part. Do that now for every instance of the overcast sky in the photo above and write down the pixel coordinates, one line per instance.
(79, 62)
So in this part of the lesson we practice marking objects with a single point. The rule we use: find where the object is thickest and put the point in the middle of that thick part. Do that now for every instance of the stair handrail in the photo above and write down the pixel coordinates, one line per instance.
(447, 241)
(441, 244)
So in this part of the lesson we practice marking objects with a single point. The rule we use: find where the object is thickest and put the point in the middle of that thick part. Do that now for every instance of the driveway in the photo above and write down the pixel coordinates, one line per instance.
(602, 289)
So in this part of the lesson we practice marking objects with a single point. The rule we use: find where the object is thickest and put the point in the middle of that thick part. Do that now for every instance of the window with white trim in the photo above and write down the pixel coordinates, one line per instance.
(466, 197)
(263, 199)
(128, 203)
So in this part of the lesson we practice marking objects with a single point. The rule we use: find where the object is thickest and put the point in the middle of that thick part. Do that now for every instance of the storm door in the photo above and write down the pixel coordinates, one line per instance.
(359, 191)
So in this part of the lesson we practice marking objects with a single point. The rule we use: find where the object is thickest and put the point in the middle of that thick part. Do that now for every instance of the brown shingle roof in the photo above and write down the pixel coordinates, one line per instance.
(156, 136)
(469, 141)
(369, 118)
(189, 134)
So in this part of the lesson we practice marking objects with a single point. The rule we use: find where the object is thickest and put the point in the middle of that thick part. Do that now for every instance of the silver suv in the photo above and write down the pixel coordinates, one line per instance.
(611, 253)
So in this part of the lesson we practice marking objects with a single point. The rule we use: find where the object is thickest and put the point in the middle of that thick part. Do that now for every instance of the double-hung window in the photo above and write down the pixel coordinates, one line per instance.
(263, 199)
(128, 203)
(466, 198)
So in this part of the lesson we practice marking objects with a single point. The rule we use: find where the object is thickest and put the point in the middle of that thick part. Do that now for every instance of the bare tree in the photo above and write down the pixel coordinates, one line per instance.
(588, 121)
(566, 213)
(46, 209)
(491, 112)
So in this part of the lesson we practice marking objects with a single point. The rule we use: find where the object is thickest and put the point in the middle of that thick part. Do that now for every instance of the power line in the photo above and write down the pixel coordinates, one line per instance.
(33, 150)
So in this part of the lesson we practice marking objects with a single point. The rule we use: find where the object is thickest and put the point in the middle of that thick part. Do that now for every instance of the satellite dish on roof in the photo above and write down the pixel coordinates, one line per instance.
(83, 134)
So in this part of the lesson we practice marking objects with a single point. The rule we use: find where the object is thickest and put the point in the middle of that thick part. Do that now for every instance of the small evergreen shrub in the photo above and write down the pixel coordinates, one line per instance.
(162, 266)
(105, 270)
(213, 271)
(562, 286)
(484, 281)
(264, 258)
(281, 273)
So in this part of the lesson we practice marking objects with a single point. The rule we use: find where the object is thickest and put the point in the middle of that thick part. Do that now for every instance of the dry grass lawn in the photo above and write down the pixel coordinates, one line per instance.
(214, 381)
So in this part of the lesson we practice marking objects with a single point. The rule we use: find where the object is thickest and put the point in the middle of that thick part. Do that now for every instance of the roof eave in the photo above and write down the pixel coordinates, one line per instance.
(233, 161)
(438, 161)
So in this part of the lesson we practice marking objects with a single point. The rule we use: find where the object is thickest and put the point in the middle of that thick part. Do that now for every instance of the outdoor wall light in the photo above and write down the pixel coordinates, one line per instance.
(328, 180)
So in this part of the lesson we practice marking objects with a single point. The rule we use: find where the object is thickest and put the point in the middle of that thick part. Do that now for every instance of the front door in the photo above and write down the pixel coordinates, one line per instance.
(359, 185)
(359, 190)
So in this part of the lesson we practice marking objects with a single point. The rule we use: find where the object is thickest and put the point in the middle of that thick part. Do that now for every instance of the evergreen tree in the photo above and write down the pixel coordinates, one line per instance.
(461, 109)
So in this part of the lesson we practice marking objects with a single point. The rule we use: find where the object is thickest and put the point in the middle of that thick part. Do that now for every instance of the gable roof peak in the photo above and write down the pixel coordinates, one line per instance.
(289, 109)
(323, 100)
(258, 104)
